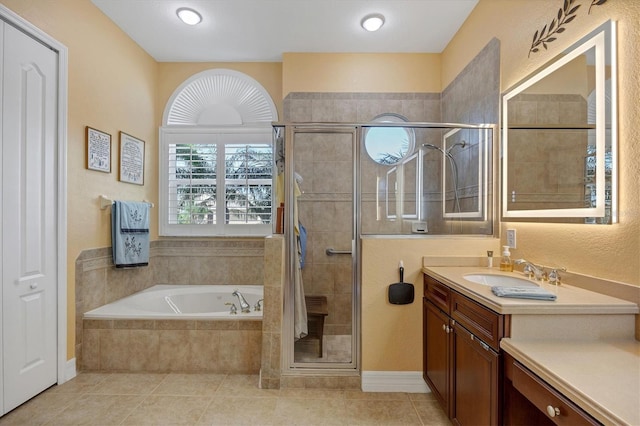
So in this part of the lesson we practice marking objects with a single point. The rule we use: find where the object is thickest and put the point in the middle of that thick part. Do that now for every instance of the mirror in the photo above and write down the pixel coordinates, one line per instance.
(464, 174)
(402, 189)
(559, 137)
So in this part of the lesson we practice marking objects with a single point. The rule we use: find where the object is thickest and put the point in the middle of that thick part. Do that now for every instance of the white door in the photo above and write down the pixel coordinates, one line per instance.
(29, 240)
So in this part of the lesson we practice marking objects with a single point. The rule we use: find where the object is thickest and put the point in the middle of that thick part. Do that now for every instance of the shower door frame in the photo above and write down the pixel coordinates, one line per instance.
(289, 365)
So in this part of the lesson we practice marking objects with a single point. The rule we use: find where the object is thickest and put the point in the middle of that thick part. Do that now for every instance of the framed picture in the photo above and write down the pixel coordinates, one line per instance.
(98, 150)
(131, 159)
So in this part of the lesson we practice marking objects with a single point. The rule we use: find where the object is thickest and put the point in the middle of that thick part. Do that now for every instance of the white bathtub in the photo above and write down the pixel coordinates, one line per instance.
(182, 302)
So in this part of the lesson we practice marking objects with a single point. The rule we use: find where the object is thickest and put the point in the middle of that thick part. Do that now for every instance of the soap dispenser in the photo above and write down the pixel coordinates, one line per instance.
(505, 262)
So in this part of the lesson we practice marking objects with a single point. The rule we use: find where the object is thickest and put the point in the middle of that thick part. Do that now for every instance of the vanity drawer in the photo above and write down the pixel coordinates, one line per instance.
(546, 399)
(480, 321)
(438, 293)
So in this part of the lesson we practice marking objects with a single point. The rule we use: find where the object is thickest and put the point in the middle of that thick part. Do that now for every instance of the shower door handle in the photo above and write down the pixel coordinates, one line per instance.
(331, 252)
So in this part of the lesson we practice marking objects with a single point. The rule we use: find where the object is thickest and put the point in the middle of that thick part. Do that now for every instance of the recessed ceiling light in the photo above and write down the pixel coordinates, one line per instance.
(189, 16)
(372, 22)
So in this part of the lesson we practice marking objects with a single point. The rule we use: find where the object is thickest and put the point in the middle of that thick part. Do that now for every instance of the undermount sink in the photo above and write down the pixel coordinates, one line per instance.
(499, 280)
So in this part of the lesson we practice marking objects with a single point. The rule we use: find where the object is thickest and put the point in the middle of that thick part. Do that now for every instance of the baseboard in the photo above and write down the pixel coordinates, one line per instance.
(69, 370)
(394, 381)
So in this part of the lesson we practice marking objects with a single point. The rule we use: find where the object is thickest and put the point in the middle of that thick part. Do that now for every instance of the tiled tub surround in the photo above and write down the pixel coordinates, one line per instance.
(213, 346)
(172, 261)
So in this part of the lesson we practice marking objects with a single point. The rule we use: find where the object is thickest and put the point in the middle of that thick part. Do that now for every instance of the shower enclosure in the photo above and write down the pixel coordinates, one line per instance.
(345, 181)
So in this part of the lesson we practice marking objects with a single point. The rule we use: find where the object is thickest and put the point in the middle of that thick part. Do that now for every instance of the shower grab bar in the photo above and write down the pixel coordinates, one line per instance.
(331, 251)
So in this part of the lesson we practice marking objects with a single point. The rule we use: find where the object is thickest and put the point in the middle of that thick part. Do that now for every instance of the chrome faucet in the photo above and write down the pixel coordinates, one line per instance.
(245, 308)
(554, 276)
(531, 268)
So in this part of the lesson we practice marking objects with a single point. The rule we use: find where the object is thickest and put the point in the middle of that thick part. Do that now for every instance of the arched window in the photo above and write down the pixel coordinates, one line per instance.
(216, 157)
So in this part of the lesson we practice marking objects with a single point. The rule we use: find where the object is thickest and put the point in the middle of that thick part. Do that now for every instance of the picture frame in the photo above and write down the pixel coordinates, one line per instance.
(98, 151)
(131, 159)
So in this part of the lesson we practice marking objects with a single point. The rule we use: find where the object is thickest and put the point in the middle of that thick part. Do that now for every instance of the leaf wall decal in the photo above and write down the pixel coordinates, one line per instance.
(566, 14)
(596, 3)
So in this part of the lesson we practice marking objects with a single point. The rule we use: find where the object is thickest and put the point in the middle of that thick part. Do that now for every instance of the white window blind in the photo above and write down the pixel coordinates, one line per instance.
(216, 183)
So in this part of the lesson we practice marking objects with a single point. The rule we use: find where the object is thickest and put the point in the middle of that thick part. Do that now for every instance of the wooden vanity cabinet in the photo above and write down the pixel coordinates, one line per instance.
(461, 354)
(530, 400)
(437, 353)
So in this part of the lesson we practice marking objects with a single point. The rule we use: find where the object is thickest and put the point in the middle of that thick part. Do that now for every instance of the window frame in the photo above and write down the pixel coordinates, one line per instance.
(221, 135)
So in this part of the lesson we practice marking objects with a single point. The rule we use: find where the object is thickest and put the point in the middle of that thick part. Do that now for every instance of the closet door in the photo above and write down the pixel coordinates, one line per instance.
(28, 233)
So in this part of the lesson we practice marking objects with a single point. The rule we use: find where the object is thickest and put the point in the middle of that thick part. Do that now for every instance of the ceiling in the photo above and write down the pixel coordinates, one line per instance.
(261, 30)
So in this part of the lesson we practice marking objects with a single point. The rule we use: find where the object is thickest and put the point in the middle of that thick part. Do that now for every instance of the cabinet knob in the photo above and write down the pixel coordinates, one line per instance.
(553, 411)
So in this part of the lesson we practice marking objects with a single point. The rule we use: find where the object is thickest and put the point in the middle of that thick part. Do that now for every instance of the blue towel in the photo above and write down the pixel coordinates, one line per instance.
(130, 234)
(536, 293)
(302, 240)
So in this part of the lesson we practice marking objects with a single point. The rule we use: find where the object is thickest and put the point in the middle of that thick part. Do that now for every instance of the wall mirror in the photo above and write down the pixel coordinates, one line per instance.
(464, 174)
(559, 137)
(402, 189)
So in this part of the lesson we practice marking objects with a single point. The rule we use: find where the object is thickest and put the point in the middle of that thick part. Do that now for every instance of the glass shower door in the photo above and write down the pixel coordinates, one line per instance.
(323, 243)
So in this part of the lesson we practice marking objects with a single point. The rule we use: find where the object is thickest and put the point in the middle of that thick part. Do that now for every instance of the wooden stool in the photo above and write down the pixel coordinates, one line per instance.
(316, 311)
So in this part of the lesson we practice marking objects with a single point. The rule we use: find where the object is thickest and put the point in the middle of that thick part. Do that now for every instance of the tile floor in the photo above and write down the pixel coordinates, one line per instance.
(335, 348)
(215, 399)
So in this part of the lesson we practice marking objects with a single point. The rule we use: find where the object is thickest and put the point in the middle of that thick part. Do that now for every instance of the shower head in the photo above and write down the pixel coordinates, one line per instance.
(437, 148)
(461, 144)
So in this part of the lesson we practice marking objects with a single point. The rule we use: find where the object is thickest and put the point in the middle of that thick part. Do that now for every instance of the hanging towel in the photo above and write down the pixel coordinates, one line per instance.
(302, 244)
(523, 293)
(130, 234)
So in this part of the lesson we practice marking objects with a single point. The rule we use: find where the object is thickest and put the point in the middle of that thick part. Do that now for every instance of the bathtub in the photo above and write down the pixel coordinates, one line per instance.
(190, 302)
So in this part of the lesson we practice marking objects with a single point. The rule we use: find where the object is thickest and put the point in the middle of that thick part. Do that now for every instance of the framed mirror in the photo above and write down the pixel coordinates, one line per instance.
(559, 140)
(402, 195)
(464, 174)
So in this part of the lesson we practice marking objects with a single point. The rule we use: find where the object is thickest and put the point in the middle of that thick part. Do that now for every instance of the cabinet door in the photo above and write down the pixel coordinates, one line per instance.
(437, 359)
(475, 381)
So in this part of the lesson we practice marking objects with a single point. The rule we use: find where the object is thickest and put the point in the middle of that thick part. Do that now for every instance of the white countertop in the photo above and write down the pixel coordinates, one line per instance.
(602, 377)
(570, 300)
(599, 371)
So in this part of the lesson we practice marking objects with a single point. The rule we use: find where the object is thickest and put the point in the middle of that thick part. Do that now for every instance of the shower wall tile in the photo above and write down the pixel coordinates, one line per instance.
(367, 111)
(323, 111)
(347, 110)
(474, 95)
(298, 110)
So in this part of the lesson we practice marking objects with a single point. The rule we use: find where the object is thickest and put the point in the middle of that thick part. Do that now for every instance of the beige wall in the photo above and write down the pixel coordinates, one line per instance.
(112, 87)
(348, 72)
(392, 334)
(611, 252)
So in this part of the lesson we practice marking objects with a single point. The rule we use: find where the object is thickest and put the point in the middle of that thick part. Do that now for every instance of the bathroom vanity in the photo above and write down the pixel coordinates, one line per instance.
(492, 360)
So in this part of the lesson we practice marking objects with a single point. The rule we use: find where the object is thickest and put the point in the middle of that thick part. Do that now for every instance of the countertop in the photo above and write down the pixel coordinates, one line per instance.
(599, 371)
(602, 377)
(570, 300)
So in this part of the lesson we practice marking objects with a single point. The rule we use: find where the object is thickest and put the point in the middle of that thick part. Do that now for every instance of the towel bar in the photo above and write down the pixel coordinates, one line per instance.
(106, 202)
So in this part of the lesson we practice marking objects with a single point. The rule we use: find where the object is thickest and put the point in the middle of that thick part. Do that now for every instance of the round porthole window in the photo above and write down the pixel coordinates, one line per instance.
(389, 145)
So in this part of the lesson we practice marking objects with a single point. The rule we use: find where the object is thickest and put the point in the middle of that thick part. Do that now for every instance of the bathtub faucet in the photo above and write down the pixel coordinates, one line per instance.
(245, 308)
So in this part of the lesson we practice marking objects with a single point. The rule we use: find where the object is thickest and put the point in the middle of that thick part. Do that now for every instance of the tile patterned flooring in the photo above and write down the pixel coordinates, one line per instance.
(215, 399)
(335, 348)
